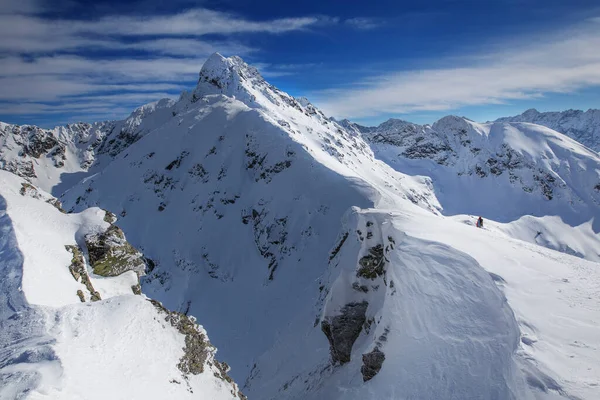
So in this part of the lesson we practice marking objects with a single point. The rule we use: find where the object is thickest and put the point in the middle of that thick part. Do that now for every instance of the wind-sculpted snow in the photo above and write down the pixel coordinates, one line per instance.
(582, 126)
(428, 311)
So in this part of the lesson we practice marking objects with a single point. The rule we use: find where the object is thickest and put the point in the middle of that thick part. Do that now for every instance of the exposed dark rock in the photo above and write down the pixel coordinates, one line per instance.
(79, 272)
(110, 217)
(360, 288)
(177, 162)
(372, 363)
(136, 289)
(197, 347)
(343, 330)
(546, 182)
(372, 265)
(57, 204)
(29, 190)
(198, 350)
(22, 168)
(338, 247)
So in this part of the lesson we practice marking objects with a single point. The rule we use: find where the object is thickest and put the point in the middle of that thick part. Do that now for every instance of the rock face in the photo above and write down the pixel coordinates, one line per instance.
(372, 363)
(343, 330)
(79, 273)
(583, 126)
(111, 255)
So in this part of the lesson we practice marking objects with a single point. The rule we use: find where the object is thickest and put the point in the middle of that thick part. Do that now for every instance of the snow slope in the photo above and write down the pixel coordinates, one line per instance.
(244, 200)
(53, 346)
(583, 126)
(503, 172)
(554, 297)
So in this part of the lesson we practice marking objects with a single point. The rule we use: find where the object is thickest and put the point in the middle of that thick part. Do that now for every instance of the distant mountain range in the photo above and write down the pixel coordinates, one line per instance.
(583, 126)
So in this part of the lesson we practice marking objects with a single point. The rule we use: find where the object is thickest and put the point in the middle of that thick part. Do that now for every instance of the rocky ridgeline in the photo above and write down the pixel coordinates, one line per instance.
(583, 126)
(199, 353)
(109, 254)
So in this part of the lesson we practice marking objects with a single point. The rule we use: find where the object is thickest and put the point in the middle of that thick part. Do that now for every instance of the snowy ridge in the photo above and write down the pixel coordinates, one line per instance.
(583, 126)
(426, 297)
(55, 345)
(318, 256)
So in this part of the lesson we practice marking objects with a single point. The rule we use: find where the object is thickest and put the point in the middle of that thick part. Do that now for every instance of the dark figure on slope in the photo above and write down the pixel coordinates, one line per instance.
(480, 222)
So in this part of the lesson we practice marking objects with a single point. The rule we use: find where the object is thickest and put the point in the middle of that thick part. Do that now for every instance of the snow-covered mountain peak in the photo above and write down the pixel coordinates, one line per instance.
(230, 76)
(455, 125)
(583, 126)
(532, 112)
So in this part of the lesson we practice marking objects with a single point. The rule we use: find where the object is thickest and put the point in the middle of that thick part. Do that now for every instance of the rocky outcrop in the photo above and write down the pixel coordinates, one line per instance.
(111, 255)
(79, 273)
(342, 330)
(372, 363)
(29, 190)
(372, 265)
(198, 351)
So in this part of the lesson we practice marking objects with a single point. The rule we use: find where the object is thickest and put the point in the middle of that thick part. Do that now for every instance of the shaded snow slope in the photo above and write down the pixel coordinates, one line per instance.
(583, 126)
(53, 346)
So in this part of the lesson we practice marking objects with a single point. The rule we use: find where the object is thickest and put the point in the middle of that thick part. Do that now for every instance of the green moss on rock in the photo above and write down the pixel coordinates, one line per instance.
(109, 217)
(111, 255)
(79, 272)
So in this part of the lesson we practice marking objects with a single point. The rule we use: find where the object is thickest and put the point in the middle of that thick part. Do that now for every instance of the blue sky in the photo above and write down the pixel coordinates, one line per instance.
(66, 60)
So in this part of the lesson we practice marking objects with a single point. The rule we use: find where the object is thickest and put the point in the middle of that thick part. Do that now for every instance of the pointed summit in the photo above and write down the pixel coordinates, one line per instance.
(230, 76)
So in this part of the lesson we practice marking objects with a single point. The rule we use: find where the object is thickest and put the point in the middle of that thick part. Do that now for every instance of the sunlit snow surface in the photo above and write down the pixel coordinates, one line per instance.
(242, 194)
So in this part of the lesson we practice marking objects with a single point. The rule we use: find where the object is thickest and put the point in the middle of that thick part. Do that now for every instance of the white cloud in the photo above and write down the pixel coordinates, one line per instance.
(363, 23)
(564, 62)
(197, 21)
(46, 61)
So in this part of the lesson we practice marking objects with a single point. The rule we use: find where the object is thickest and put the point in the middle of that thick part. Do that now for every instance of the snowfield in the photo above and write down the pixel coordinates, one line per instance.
(326, 260)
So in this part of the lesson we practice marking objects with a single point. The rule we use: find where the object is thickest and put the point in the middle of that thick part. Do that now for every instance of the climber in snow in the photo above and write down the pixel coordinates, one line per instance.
(480, 222)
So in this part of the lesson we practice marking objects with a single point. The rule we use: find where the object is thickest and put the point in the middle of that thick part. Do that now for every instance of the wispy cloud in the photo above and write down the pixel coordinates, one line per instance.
(53, 65)
(363, 23)
(562, 62)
